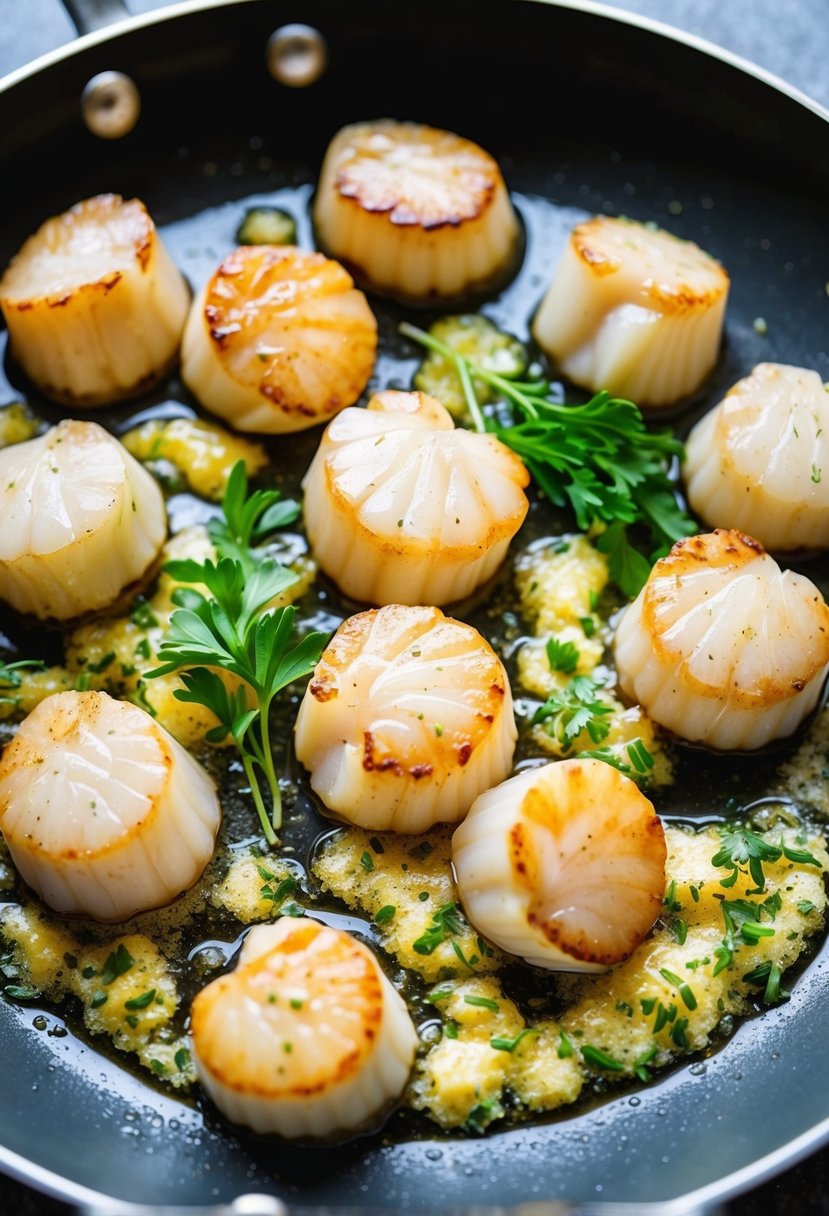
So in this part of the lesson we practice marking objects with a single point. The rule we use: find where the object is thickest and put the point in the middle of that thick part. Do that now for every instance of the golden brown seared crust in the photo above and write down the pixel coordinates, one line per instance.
(57, 720)
(643, 836)
(339, 974)
(367, 180)
(695, 280)
(731, 551)
(274, 292)
(133, 243)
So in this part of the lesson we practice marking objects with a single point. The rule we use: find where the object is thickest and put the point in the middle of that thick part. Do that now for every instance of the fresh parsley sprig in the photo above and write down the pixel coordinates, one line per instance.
(231, 629)
(572, 709)
(247, 520)
(741, 848)
(599, 459)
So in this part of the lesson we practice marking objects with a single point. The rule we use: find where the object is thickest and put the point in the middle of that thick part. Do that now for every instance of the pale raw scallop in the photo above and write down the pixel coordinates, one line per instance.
(80, 520)
(306, 1037)
(563, 865)
(414, 211)
(400, 507)
(407, 718)
(104, 814)
(634, 310)
(94, 305)
(759, 461)
(722, 646)
(278, 340)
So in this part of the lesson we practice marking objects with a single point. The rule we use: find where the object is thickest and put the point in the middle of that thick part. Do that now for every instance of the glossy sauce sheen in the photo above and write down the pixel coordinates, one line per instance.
(704, 784)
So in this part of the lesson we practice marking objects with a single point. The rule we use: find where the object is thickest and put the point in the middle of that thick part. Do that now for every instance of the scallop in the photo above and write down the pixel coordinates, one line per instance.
(80, 520)
(104, 814)
(306, 1037)
(400, 507)
(416, 212)
(757, 460)
(723, 647)
(94, 305)
(407, 718)
(278, 340)
(634, 310)
(563, 865)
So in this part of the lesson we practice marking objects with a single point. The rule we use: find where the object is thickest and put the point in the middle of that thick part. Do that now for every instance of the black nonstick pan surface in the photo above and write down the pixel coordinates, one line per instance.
(585, 114)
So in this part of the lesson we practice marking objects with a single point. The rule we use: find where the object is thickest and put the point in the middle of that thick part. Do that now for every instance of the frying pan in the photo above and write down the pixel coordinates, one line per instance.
(595, 113)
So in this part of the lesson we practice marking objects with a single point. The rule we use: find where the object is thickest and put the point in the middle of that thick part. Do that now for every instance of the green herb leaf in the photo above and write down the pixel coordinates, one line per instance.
(482, 1002)
(142, 1001)
(599, 459)
(10, 677)
(445, 922)
(600, 1059)
(233, 629)
(117, 963)
(385, 914)
(562, 656)
(573, 709)
(22, 992)
(505, 1044)
(565, 1047)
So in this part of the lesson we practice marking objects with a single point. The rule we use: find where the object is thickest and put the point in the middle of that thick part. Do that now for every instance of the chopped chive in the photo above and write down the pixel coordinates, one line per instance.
(500, 1043)
(385, 914)
(600, 1059)
(367, 862)
(565, 1047)
(142, 1001)
(482, 1002)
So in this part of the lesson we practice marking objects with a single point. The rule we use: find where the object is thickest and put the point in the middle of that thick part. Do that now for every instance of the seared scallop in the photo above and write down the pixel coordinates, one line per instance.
(80, 519)
(278, 340)
(94, 305)
(563, 865)
(634, 310)
(722, 646)
(104, 814)
(759, 461)
(306, 1037)
(400, 507)
(415, 212)
(407, 718)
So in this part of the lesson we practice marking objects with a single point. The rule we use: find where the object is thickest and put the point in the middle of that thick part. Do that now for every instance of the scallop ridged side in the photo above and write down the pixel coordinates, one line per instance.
(80, 519)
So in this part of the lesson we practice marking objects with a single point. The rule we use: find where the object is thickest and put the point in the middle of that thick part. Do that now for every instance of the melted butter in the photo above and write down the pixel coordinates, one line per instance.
(458, 1080)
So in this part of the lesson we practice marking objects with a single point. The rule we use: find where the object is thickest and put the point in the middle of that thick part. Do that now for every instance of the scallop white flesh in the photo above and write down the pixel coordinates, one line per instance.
(104, 814)
(306, 1037)
(563, 865)
(407, 718)
(416, 212)
(402, 508)
(80, 519)
(94, 305)
(634, 310)
(759, 461)
(722, 646)
(278, 340)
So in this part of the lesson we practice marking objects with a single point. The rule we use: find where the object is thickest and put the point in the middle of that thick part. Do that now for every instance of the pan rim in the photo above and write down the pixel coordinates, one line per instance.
(185, 8)
(22, 1168)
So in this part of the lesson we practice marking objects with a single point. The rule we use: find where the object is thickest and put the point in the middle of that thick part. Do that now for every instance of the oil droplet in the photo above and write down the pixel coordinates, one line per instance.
(698, 1070)
(40, 1022)
(634, 1101)
(434, 1154)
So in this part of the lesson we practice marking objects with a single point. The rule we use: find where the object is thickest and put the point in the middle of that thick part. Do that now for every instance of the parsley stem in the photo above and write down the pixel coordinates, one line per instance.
(473, 406)
(261, 810)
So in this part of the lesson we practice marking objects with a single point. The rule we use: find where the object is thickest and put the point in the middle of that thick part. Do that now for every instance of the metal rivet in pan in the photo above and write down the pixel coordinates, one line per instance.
(110, 105)
(258, 1205)
(296, 55)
